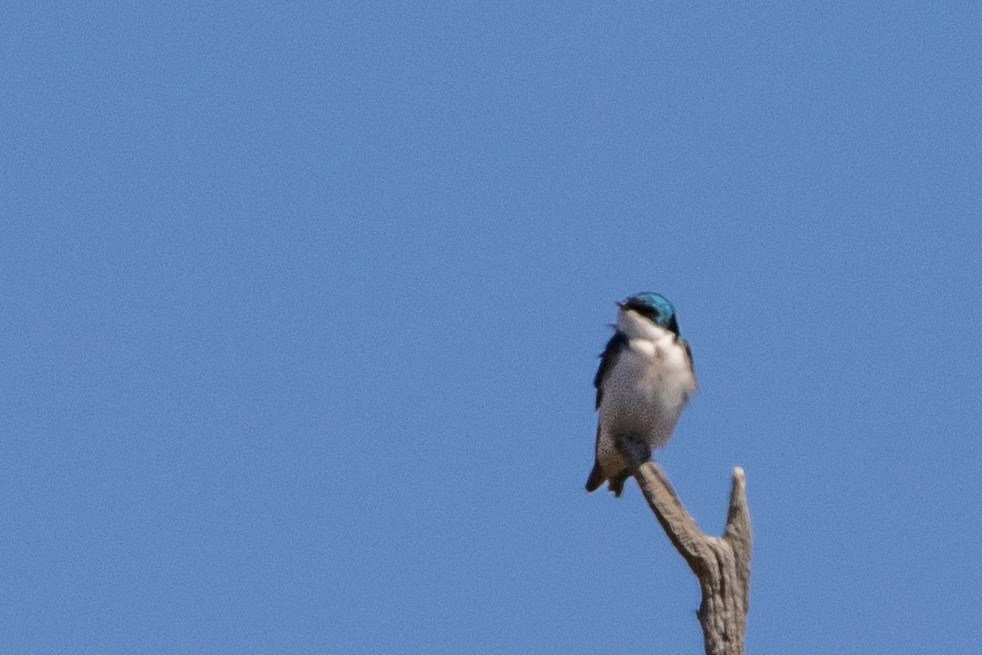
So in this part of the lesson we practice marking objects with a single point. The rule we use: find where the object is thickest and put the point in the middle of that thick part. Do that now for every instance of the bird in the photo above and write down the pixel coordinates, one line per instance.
(644, 381)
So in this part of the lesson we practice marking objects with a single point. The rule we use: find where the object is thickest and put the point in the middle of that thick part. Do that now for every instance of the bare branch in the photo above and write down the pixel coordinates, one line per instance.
(722, 564)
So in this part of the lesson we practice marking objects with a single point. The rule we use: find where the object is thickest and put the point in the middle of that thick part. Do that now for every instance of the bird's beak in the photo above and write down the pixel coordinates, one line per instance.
(619, 304)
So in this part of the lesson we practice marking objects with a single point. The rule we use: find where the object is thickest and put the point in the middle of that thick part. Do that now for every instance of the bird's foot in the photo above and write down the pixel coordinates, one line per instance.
(633, 449)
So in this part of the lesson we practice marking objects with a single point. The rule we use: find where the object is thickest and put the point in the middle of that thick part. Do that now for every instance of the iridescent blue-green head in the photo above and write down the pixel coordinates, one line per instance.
(654, 307)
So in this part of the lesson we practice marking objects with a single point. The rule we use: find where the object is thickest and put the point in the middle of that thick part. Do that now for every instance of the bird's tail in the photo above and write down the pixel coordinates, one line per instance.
(596, 478)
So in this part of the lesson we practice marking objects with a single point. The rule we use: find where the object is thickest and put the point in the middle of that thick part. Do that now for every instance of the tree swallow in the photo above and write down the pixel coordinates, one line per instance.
(644, 380)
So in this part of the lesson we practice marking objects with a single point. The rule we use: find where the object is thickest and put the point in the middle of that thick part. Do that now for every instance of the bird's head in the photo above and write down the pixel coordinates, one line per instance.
(653, 307)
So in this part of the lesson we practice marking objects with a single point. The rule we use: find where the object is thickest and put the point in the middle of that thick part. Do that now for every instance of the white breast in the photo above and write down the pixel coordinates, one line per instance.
(645, 392)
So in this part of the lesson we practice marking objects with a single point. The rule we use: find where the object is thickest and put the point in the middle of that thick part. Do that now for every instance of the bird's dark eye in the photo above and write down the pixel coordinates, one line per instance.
(644, 309)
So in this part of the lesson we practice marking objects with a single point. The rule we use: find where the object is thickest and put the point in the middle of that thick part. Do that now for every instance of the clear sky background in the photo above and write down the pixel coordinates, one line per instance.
(301, 307)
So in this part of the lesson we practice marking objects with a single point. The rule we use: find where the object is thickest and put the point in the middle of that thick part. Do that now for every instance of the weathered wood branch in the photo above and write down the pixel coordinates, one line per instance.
(722, 564)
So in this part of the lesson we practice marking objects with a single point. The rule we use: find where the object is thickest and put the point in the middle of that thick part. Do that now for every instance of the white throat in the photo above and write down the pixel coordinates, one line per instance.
(636, 326)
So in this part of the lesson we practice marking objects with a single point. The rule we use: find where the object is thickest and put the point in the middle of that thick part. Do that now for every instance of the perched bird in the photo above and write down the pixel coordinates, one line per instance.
(644, 380)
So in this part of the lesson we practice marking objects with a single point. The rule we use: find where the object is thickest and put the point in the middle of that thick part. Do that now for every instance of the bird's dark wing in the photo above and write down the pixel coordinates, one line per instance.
(688, 354)
(617, 343)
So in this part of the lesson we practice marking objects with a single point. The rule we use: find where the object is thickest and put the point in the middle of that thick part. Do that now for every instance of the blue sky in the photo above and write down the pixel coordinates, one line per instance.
(302, 306)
